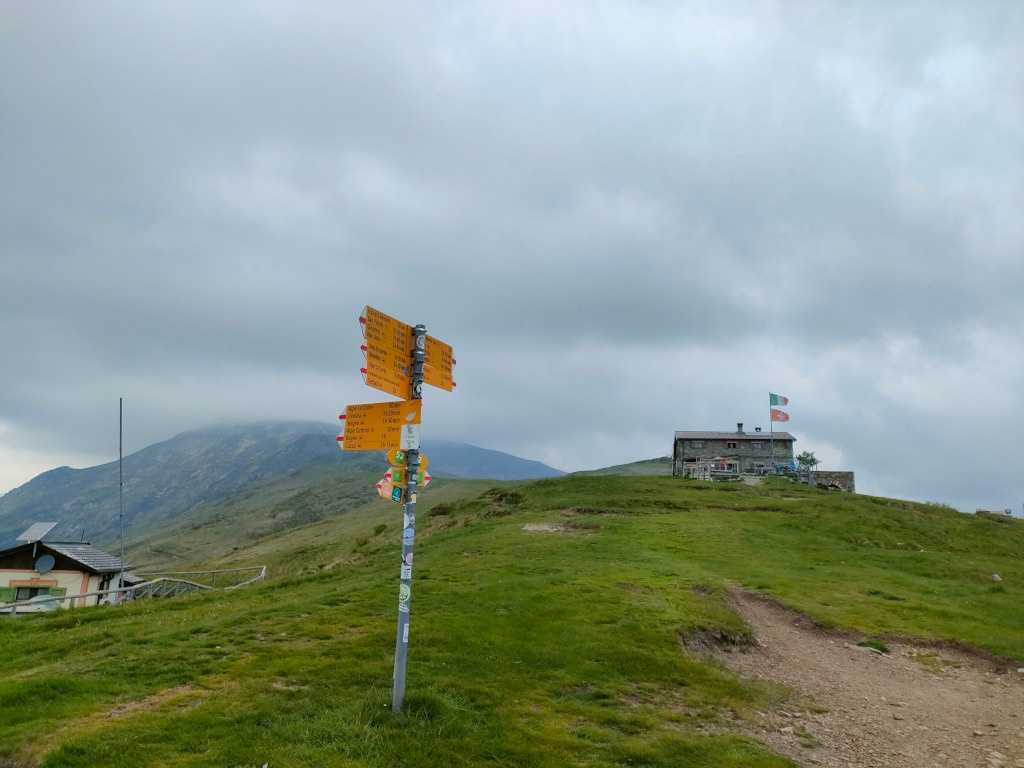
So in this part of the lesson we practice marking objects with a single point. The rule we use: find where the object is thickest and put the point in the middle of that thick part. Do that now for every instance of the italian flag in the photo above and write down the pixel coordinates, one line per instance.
(774, 399)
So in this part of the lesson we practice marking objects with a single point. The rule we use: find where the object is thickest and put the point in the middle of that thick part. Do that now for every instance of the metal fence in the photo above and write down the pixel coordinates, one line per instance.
(158, 585)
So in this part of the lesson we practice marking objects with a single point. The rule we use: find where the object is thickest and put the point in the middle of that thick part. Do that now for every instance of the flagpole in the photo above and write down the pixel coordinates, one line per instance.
(771, 432)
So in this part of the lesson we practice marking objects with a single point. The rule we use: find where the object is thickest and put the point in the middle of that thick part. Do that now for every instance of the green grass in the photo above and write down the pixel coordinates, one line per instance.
(527, 649)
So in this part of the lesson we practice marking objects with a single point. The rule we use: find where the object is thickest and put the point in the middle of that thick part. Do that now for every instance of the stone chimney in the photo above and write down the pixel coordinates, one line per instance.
(739, 427)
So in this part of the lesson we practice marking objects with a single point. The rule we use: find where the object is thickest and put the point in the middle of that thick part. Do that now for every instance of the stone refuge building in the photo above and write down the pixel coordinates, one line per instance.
(732, 452)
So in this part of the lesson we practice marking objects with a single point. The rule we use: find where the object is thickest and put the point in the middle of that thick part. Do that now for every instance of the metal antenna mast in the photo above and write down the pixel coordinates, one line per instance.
(120, 480)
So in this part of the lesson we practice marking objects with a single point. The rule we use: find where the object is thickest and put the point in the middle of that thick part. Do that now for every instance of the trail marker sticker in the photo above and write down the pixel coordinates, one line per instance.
(396, 458)
(398, 476)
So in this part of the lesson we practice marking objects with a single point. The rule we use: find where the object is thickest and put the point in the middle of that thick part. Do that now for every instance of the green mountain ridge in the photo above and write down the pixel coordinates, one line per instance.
(660, 466)
(168, 481)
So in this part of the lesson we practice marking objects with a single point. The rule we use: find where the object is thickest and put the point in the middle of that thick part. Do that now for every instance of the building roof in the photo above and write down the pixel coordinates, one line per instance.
(86, 554)
(734, 436)
(81, 553)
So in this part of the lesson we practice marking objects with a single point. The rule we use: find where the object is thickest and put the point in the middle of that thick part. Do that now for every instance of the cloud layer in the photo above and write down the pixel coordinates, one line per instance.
(627, 218)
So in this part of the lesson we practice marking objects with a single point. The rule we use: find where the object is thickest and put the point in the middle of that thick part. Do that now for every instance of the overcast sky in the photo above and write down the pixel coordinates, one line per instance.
(627, 218)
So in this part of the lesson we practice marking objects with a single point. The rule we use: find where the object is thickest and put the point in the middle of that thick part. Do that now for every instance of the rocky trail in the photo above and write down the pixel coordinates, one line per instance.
(854, 707)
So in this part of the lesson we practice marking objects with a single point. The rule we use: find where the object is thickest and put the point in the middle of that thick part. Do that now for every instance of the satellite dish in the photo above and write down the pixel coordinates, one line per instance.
(45, 564)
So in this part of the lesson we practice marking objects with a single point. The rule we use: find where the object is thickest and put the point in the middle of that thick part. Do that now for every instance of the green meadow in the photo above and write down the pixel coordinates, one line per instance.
(548, 628)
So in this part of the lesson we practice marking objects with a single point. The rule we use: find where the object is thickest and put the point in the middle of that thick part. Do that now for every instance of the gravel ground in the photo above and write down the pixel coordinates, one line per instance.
(913, 706)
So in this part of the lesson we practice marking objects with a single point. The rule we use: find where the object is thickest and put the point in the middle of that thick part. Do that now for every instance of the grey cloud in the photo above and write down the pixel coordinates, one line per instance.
(627, 218)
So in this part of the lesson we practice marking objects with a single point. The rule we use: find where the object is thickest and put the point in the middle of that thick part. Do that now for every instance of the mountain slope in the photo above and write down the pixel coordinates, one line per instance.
(166, 481)
(267, 512)
(659, 466)
(549, 627)
(467, 461)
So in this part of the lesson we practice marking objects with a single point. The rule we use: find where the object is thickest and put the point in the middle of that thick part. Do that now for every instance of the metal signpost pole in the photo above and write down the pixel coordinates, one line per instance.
(412, 465)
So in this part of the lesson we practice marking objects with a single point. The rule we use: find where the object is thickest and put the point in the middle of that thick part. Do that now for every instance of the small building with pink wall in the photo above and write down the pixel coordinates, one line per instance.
(65, 569)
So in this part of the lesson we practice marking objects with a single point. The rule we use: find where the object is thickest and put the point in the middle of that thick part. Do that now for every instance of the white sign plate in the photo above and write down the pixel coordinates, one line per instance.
(410, 437)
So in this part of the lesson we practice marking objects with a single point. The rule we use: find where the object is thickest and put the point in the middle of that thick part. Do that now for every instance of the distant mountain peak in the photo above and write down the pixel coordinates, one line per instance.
(169, 478)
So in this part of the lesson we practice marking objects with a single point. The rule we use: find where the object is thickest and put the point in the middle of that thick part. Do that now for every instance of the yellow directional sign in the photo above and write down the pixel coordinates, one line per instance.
(438, 363)
(386, 379)
(389, 348)
(376, 426)
(388, 351)
(386, 333)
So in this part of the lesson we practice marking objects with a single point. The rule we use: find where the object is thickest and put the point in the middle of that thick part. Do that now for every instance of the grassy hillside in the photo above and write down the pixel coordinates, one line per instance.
(659, 466)
(546, 628)
(237, 527)
(214, 531)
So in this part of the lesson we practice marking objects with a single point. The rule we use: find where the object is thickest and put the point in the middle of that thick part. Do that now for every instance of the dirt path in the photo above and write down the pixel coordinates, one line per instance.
(913, 707)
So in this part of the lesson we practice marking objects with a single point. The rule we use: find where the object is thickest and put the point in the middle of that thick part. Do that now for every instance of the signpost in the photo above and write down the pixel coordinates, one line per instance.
(400, 358)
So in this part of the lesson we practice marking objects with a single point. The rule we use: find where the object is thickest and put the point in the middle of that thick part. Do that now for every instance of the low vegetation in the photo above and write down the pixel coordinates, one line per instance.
(551, 624)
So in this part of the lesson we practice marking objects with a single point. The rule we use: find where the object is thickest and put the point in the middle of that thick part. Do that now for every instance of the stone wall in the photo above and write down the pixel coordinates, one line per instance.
(841, 480)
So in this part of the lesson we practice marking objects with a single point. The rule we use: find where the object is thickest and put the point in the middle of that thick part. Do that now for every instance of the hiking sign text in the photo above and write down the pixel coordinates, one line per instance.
(378, 426)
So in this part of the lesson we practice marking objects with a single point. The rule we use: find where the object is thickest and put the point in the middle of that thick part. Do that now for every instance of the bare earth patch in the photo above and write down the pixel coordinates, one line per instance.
(543, 528)
(569, 527)
(150, 702)
(863, 709)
